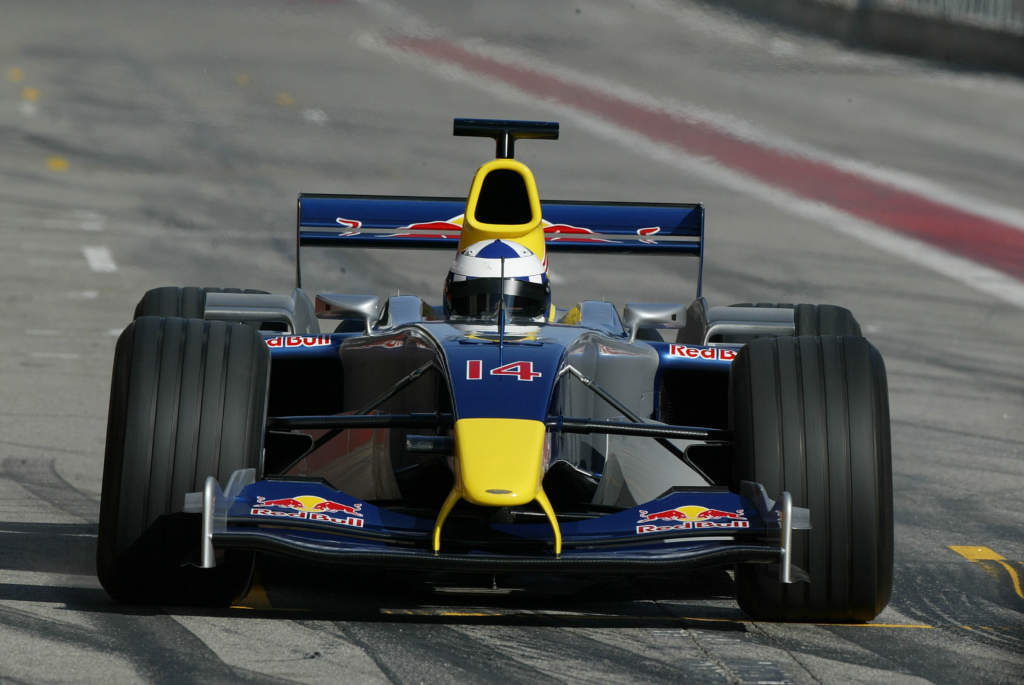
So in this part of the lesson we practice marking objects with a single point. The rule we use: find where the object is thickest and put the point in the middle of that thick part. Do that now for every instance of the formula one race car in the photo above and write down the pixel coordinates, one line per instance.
(496, 433)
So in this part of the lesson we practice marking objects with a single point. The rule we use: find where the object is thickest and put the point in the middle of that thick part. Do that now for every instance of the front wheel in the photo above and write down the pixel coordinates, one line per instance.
(187, 401)
(810, 416)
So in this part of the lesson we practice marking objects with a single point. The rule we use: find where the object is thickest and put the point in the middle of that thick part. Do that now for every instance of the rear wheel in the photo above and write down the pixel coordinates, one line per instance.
(810, 416)
(188, 400)
(815, 319)
(188, 302)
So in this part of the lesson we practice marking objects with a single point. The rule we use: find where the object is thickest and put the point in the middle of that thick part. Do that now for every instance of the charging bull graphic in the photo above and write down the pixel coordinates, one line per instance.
(310, 507)
(690, 517)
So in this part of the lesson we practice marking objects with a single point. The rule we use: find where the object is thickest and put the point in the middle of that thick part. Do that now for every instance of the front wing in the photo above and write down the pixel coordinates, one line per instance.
(685, 528)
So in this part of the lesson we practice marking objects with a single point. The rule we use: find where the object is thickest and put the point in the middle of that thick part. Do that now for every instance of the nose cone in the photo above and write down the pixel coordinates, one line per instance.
(499, 462)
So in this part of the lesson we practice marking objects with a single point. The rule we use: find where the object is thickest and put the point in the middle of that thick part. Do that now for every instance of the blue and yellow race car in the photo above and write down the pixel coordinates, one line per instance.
(497, 433)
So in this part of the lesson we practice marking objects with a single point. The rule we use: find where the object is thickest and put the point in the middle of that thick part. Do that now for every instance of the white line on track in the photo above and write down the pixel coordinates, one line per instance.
(99, 259)
(970, 273)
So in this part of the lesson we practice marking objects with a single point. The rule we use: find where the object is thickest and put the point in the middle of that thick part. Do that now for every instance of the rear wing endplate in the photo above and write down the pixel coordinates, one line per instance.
(380, 221)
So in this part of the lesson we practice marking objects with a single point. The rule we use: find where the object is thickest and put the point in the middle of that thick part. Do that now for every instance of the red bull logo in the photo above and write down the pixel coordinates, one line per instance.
(690, 517)
(299, 341)
(310, 508)
(709, 353)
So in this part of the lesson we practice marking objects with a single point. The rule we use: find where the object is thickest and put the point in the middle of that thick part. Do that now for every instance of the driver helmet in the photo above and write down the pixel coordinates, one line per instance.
(475, 286)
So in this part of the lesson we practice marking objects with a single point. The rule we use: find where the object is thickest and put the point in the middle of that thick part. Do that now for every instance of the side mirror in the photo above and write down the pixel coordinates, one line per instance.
(637, 314)
(341, 306)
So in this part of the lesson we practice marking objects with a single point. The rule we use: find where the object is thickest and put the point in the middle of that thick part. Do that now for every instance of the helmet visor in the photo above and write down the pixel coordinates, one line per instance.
(481, 298)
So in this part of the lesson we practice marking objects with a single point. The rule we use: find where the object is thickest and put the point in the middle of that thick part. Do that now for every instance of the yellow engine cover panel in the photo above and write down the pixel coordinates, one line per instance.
(499, 462)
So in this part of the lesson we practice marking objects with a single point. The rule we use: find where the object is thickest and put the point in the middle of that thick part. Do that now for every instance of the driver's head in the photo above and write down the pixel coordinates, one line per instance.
(475, 286)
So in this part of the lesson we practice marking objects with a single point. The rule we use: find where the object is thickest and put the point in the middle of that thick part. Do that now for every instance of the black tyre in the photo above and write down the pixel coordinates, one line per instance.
(187, 400)
(187, 303)
(816, 319)
(811, 416)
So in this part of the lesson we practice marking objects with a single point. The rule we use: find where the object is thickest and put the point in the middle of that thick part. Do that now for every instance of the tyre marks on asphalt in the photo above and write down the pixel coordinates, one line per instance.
(579, 653)
(614, 642)
(164, 651)
(42, 635)
(474, 643)
(836, 654)
(970, 608)
(40, 478)
(297, 651)
(49, 624)
(415, 652)
(42, 569)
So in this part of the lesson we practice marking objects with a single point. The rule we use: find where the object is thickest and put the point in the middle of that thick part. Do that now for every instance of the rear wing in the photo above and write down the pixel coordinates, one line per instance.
(381, 221)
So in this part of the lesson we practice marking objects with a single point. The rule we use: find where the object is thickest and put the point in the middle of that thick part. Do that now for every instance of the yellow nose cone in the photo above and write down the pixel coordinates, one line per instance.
(499, 461)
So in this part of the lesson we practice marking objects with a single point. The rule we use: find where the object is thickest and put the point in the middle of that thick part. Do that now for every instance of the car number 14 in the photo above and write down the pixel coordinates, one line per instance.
(520, 370)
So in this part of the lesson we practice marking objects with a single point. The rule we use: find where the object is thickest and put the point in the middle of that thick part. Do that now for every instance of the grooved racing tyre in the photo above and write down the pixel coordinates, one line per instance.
(811, 415)
(187, 400)
(816, 319)
(187, 303)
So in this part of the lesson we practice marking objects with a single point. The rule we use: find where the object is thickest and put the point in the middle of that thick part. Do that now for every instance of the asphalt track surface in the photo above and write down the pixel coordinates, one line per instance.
(150, 143)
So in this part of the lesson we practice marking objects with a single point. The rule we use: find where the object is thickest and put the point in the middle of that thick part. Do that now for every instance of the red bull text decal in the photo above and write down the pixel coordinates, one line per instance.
(690, 517)
(701, 352)
(299, 341)
(310, 508)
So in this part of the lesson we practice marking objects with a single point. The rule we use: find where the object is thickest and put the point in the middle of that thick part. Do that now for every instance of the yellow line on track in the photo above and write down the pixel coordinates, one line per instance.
(15, 75)
(1013, 577)
(977, 553)
(56, 164)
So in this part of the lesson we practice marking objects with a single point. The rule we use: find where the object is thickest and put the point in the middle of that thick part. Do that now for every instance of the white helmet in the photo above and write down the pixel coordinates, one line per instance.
(490, 272)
